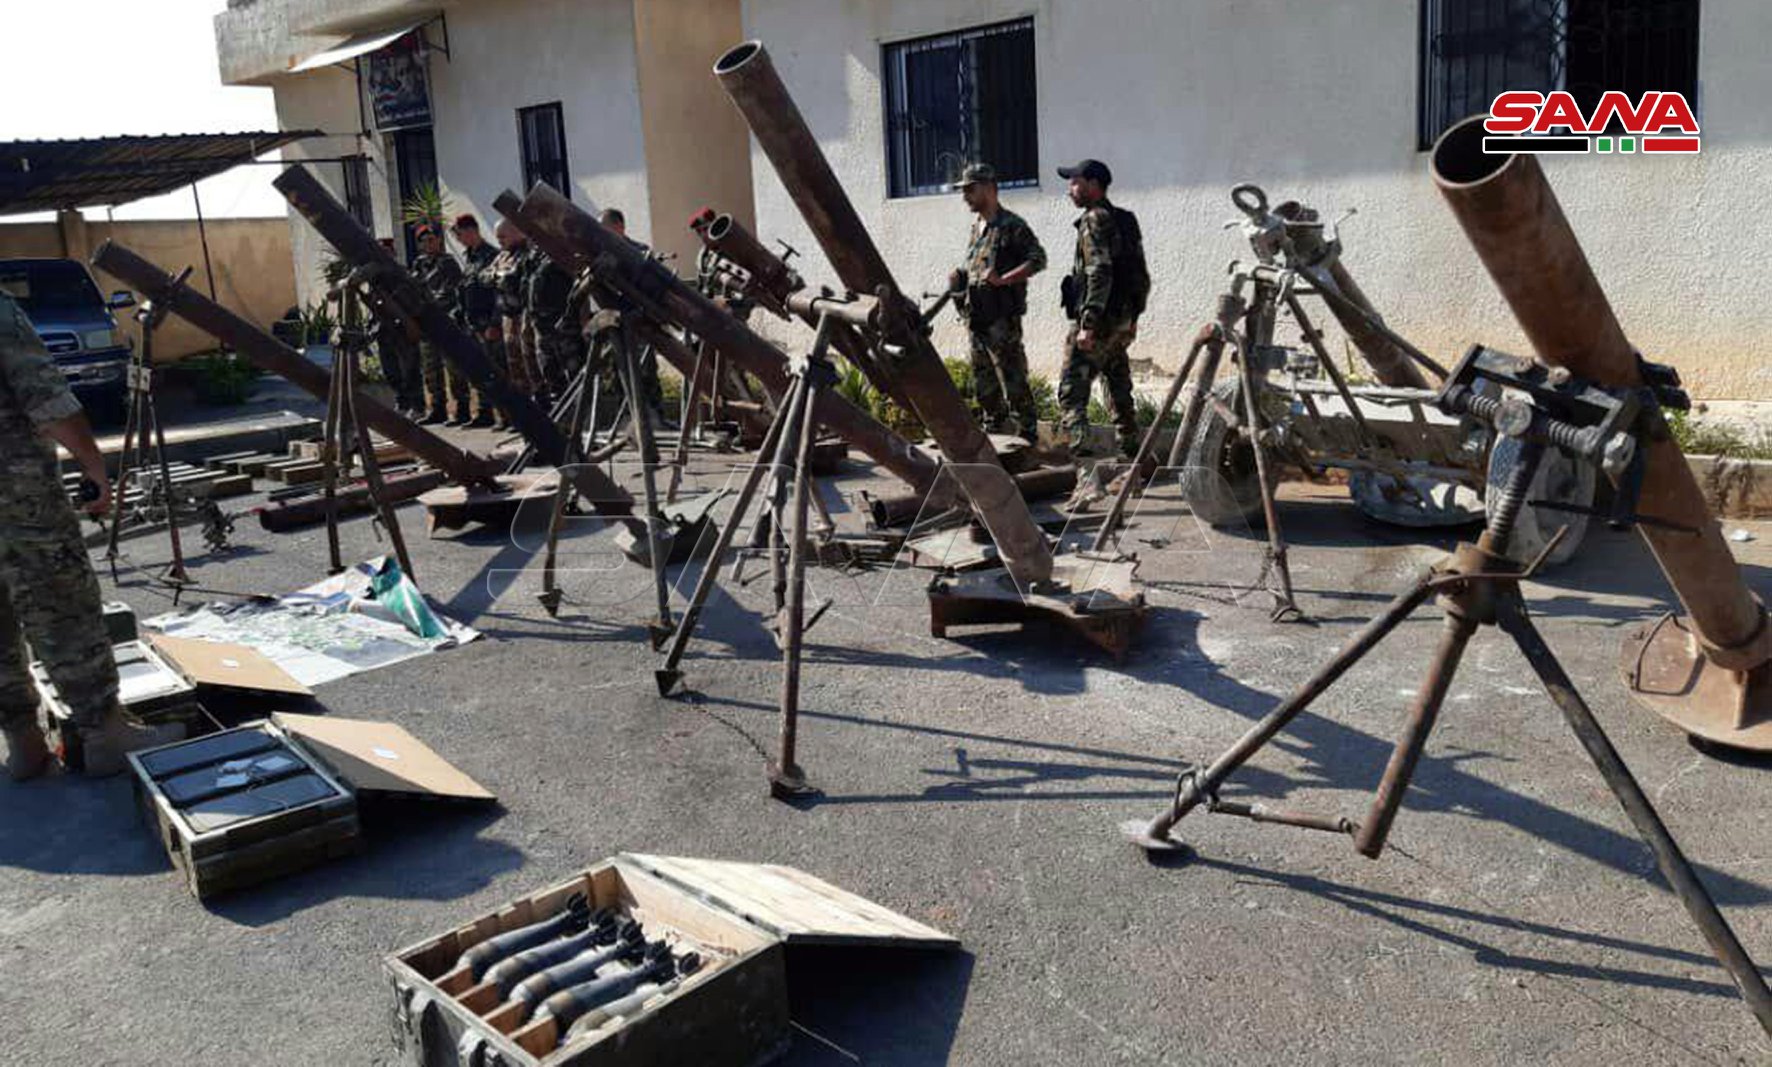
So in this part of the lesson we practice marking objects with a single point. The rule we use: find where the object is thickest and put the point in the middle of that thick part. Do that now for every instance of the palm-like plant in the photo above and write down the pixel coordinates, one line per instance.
(426, 205)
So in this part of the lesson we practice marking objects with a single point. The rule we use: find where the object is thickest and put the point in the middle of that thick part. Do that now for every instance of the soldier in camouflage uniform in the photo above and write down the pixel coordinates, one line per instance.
(509, 274)
(477, 312)
(1109, 250)
(48, 592)
(559, 348)
(440, 274)
(1001, 256)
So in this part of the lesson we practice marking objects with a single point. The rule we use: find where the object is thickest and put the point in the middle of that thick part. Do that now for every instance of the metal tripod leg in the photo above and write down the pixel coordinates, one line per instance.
(1284, 606)
(366, 444)
(786, 779)
(1111, 521)
(175, 574)
(688, 420)
(550, 592)
(329, 460)
(1230, 309)
(668, 676)
(648, 446)
(1193, 787)
(126, 461)
(1674, 866)
(1370, 838)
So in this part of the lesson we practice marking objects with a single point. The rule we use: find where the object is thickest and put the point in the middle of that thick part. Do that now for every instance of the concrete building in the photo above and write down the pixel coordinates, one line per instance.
(1330, 103)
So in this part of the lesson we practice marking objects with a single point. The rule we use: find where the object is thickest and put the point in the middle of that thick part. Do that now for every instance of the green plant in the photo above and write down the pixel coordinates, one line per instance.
(426, 205)
(670, 387)
(221, 377)
(317, 323)
(1697, 437)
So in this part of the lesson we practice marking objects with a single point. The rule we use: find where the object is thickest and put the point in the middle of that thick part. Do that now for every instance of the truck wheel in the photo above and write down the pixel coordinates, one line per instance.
(1560, 479)
(1223, 486)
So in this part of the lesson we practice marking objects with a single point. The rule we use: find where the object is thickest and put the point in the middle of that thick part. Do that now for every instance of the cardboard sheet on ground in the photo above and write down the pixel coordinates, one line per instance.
(369, 616)
(380, 757)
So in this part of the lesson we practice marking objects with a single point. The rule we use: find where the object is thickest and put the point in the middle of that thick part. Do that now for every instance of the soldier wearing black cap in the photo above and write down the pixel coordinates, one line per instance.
(1001, 256)
(1104, 295)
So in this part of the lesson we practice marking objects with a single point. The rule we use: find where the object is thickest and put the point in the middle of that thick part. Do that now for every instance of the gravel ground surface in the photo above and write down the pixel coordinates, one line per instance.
(976, 784)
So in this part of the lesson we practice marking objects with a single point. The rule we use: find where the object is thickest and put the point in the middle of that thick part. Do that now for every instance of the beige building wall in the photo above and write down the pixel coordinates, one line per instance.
(1315, 102)
(326, 100)
(697, 144)
(254, 272)
(509, 54)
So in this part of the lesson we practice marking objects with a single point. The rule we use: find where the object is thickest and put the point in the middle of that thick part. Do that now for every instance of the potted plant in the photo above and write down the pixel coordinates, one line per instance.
(316, 331)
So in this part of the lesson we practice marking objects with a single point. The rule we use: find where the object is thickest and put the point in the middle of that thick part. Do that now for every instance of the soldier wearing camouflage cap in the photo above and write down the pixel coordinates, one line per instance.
(1001, 255)
(48, 592)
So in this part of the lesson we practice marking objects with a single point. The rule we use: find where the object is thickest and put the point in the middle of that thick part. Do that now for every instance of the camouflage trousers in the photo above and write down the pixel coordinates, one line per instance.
(400, 366)
(606, 364)
(560, 356)
(446, 389)
(1000, 378)
(1107, 358)
(519, 353)
(50, 597)
(497, 352)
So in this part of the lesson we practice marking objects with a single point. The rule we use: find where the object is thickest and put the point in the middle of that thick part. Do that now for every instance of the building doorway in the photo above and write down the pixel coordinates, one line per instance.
(415, 163)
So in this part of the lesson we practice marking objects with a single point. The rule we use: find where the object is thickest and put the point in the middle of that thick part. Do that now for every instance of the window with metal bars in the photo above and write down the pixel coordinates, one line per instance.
(1472, 50)
(541, 133)
(960, 98)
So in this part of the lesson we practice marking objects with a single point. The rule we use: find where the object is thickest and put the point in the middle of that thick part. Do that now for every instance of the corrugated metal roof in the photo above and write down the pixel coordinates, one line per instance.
(51, 175)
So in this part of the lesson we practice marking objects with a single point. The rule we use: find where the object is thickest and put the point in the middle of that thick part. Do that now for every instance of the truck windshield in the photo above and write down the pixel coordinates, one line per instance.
(47, 290)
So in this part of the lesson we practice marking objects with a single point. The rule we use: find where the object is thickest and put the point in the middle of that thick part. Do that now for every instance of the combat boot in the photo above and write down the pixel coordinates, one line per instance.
(27, 751)
(104, 746)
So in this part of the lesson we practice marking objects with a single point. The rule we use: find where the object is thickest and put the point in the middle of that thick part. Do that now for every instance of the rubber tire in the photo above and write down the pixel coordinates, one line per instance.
(1223, 485)
(1559, 478)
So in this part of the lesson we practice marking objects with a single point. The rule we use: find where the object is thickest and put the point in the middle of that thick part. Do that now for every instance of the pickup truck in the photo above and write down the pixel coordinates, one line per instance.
(77, 326)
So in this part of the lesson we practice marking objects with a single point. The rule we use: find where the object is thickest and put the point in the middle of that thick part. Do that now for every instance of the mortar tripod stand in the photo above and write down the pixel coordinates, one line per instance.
(1476, 585)
(1201, 367)
(619, 329)
(141, 424)
(579, 407)
(786, 458)
(344, 431)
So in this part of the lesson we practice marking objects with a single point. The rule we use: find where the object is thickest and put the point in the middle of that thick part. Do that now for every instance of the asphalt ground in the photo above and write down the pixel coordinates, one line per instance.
(976, 784)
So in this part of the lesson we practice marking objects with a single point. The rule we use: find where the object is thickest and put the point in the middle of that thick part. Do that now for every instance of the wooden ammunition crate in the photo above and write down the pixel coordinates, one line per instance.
(356, 758)
(254, 849)
(732, 1012)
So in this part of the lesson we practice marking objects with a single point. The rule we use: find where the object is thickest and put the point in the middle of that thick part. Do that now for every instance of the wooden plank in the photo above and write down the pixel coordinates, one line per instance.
(220, 463)
(255, 465)
(228, 485)
(792, 903)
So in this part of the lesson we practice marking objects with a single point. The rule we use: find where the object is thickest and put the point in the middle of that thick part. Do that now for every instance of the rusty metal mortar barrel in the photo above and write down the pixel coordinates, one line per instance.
(269, 354)
(1711, 672)
(572, 237)
(750, 79)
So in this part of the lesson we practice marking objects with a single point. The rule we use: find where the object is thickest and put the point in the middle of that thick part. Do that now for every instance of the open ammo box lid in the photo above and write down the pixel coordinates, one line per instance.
(227, 665)
(379, 757)
(789, 903)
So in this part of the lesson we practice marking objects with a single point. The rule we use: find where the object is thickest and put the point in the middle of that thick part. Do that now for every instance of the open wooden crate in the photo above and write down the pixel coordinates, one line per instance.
(732, 1011)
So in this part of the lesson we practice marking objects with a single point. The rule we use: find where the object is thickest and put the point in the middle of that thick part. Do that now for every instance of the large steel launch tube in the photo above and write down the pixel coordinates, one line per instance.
(570, 236)
(750, 79)
(269, 354)
(1514, 222)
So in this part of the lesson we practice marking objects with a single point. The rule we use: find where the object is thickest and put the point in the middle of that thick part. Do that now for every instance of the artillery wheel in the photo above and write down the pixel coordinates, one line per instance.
(1560, 479)
(1223, 485)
